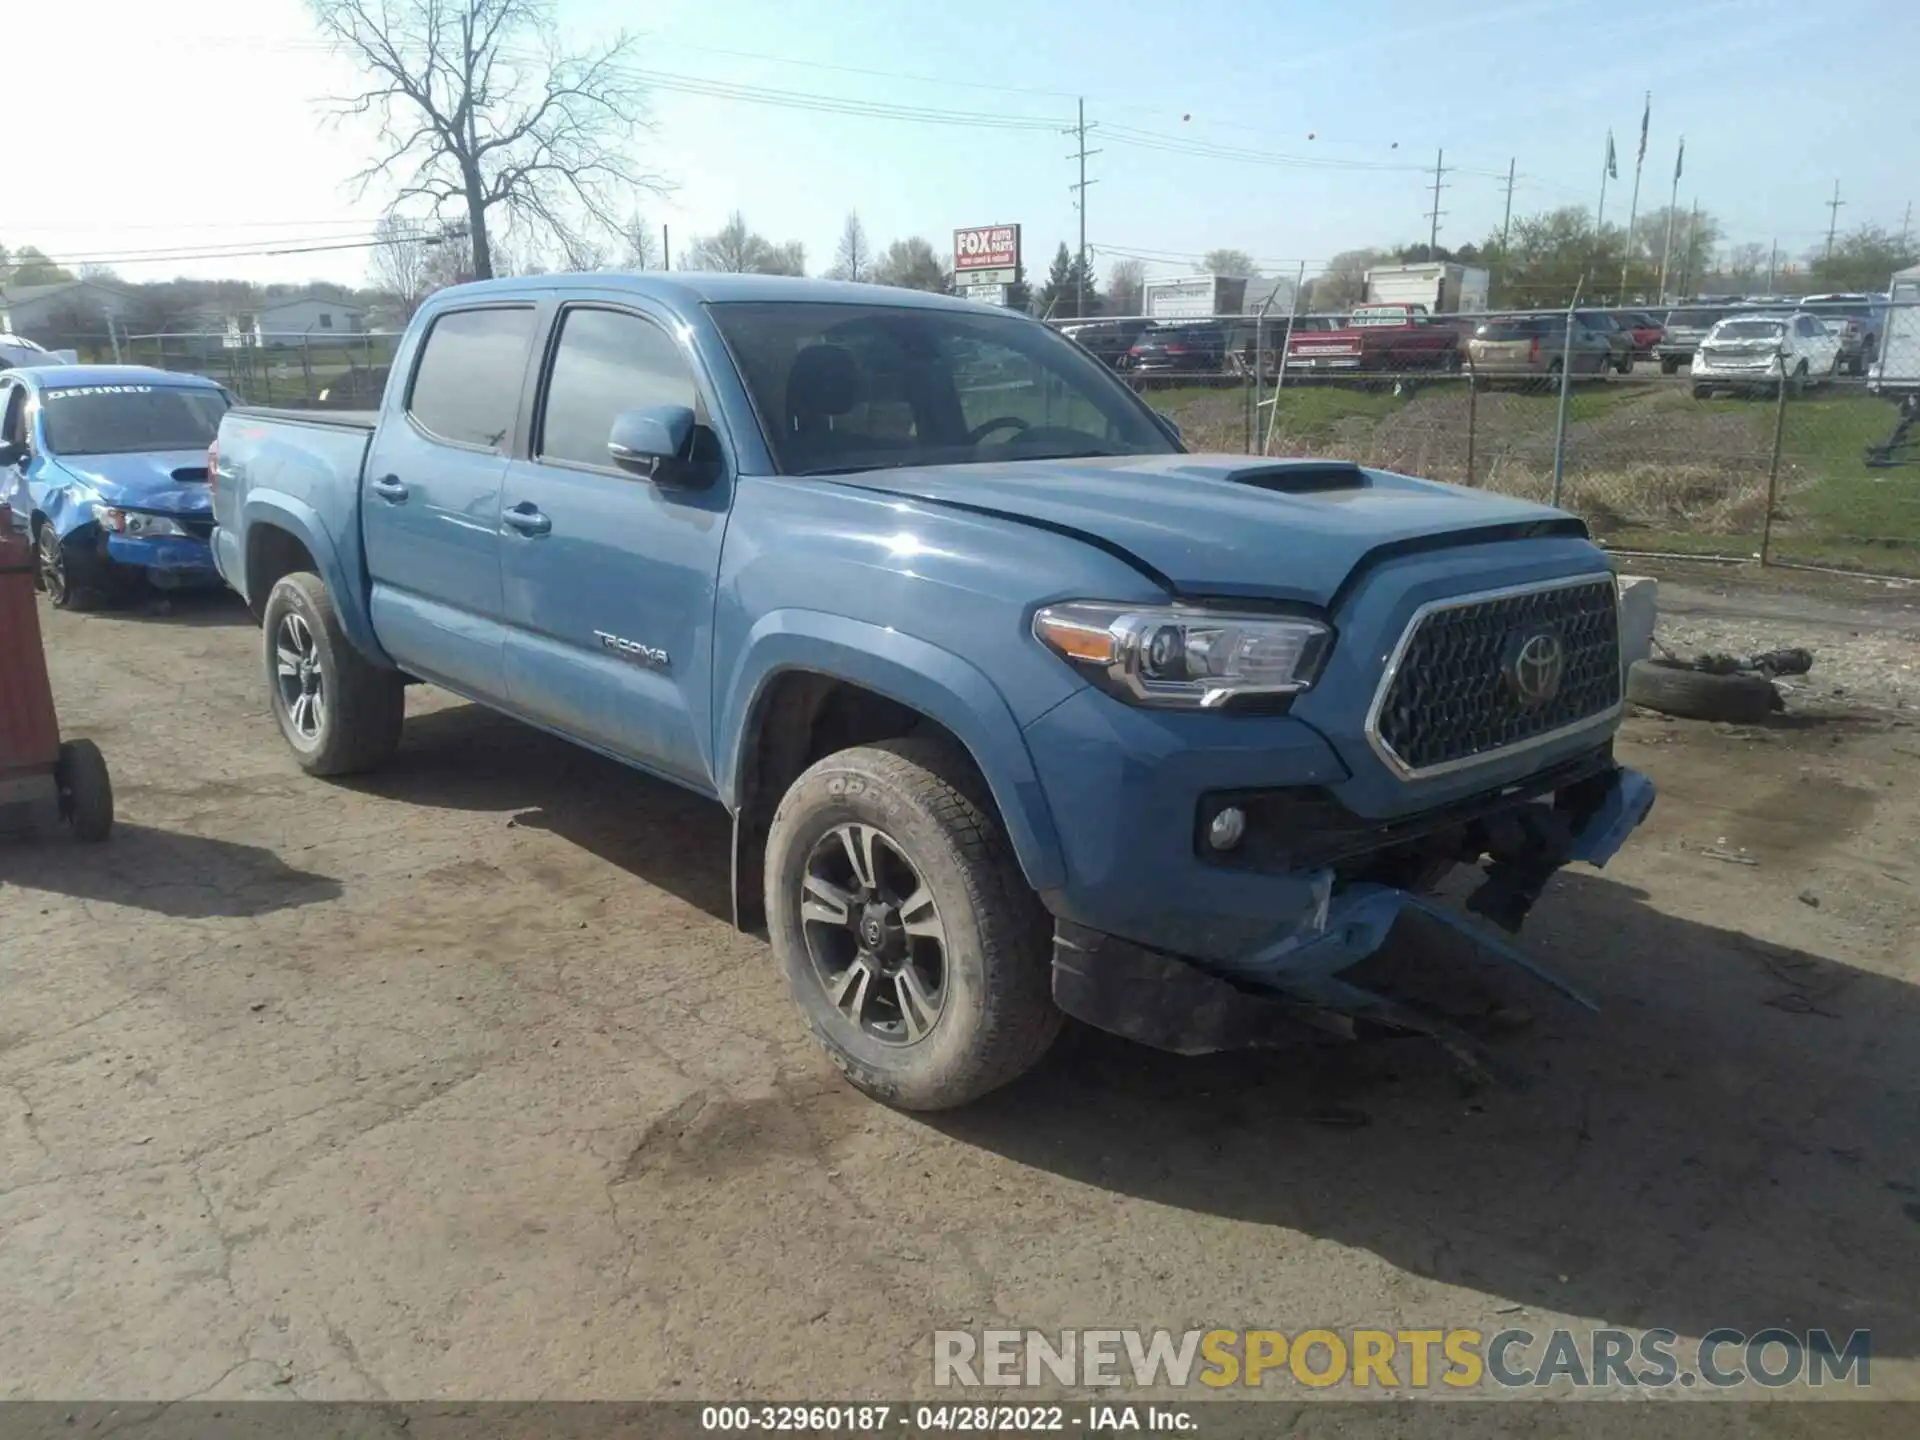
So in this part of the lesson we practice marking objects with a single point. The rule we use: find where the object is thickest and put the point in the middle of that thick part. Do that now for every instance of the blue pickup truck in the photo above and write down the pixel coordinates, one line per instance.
(106, 468)
(1018, 707)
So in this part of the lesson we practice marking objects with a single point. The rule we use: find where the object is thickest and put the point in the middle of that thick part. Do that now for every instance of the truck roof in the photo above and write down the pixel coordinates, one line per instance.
(701, 286)
(53, 377)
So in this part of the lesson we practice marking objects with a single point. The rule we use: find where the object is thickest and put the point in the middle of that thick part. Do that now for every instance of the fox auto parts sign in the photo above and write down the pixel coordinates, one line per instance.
(986, 247)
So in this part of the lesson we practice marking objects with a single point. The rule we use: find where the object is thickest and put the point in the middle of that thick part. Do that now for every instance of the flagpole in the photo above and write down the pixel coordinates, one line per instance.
(1673, 203)
(1633, 206)
(1600, 211)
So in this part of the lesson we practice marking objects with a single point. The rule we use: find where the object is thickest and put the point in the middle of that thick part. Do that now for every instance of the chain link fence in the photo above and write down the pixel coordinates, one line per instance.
(1786, 442)
(322, 369)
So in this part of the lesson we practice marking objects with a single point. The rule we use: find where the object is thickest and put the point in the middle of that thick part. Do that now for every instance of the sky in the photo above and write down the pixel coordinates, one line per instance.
(142, 131)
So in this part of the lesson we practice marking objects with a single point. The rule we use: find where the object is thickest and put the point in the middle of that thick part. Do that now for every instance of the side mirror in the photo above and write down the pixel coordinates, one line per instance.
(657, 441)
(12, 452)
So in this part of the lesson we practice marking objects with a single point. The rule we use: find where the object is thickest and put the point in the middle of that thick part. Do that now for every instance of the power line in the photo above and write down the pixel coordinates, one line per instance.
(151, 257)
(833, 105)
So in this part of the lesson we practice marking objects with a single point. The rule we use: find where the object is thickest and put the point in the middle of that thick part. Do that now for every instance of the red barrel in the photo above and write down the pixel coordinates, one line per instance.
(29, 730)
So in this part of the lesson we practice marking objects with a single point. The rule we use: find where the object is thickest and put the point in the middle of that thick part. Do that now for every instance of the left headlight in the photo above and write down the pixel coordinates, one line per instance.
(1176, 655)
(135, 524)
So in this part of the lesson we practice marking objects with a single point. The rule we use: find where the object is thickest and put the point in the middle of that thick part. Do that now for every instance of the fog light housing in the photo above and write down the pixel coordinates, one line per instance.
(1227, 828)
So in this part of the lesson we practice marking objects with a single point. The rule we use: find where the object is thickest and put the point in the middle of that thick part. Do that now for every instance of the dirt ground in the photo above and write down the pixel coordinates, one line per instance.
(455, 1082)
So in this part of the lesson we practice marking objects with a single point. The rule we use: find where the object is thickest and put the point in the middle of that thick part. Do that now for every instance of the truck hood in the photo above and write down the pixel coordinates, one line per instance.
(1227, 524)
(170, 481)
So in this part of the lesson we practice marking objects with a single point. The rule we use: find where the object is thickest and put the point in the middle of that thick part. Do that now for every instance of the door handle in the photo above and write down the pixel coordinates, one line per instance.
(389, 487)
(525, 518)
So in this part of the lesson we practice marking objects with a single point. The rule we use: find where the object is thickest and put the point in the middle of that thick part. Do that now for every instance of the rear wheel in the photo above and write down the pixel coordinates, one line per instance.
(1798, 382)
(909, 937)
(1625, 367)
(1669, 366)
(339, 713)
(1701, 392)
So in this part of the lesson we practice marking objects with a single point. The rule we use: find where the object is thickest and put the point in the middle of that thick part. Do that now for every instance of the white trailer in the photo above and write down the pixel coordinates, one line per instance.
(1445, 288)
(1898, 372)
(1193, 297)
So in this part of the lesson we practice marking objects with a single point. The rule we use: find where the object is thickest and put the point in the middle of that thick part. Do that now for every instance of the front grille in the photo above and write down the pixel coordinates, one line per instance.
(198, 529)
(1460, 692)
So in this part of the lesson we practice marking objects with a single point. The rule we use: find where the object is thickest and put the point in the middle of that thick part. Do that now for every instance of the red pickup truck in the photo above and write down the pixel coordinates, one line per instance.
(1379, 338)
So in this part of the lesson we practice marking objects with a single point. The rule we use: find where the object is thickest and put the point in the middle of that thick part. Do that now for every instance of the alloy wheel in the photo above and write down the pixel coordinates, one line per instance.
(297, 676)
(874, 934)
(53, 565)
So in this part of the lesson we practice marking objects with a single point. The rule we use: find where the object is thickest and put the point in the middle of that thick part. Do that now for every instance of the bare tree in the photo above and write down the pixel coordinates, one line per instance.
(640, 244)
(911, 264)
(1126, 285)
(734, 247)
(402, 264)
(1228, 262)
(853, 257)
(481, 111)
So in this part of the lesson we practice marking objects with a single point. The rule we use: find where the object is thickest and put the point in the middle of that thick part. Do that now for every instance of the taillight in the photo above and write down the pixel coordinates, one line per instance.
(1174, 347)
(1533, 351)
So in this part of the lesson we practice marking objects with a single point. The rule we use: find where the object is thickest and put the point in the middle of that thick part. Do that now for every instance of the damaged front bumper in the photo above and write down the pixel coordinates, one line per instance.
(1296, 975)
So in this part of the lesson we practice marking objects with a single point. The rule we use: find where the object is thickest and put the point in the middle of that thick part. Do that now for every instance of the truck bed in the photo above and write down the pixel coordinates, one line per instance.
(334, 419)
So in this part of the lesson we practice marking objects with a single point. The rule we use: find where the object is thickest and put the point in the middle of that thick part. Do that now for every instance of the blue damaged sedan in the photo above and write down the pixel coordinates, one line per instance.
(106, 465)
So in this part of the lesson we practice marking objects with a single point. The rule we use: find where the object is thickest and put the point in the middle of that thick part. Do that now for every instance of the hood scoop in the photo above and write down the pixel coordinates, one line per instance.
(190, 475)
(1296, 479)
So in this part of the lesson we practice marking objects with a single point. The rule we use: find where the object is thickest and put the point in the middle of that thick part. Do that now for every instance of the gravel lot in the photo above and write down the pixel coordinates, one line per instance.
(455, 1083)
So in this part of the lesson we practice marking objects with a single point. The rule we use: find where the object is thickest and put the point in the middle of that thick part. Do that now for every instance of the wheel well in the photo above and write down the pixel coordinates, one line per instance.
(799, 718)
(272, 554)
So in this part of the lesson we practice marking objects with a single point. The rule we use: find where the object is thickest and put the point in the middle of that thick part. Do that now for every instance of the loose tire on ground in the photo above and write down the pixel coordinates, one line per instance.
(86, 790)
(1695, 695)
(351, 717)
(926, 800)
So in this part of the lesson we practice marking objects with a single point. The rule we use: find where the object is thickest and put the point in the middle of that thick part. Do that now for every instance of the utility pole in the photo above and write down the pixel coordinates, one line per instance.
(1433, 215)
(1906, 226)
(1079, 189)
(666, 249)
(1833, 220)
(1773, 259)
(1506, 216)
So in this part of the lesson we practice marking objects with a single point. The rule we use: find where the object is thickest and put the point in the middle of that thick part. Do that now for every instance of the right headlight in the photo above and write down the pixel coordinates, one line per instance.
(1182, 656)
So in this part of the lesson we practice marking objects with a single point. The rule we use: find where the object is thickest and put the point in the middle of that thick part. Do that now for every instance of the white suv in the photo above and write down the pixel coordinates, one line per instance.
(1754, 352)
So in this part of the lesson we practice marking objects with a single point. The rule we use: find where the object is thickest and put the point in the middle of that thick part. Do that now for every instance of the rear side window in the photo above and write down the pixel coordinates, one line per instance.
(467, 386)
(607, 361)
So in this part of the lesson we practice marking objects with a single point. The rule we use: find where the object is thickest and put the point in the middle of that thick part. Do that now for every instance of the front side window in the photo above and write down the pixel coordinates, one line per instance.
(467, 386)
(842, 388)
(127, 419)
(607, 361)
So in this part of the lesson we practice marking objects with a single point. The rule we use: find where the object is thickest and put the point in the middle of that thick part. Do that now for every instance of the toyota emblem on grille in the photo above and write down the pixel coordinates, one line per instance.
(1535, 664)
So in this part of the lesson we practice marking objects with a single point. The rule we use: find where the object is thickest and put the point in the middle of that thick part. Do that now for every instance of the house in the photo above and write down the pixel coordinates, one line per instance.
(310, 320)
(62, 314)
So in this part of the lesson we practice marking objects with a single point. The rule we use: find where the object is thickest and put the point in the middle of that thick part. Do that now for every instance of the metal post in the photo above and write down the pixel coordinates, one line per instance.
(1566, 385)
(1473, 408)
(666, 249)
(1673, 203)
(1773, 260)
(1833, 221)
(1280, 370)
(1773, 465)
(1633, 206)
(1433, 229)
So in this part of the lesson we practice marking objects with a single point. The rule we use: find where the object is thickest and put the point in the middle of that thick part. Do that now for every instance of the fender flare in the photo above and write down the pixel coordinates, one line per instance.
(300, 520)
(921, 676)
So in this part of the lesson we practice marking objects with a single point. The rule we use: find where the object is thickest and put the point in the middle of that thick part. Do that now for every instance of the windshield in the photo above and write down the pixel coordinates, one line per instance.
(841, 388)
(1695, 319)
(1750, 330)
(123, 419)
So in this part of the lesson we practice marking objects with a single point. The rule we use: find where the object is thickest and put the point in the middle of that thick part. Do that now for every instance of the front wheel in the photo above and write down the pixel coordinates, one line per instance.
(1669, 367)
(909, 937)
(339, 713)
(1625, 367)
(72, 577)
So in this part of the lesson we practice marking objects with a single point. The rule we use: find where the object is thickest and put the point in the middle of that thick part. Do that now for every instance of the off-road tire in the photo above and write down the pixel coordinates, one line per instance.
(365, 705)
(998, 1015)
(1695, 695)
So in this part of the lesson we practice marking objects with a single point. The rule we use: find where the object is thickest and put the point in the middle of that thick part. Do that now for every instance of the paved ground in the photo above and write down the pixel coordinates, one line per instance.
(454, 1083)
